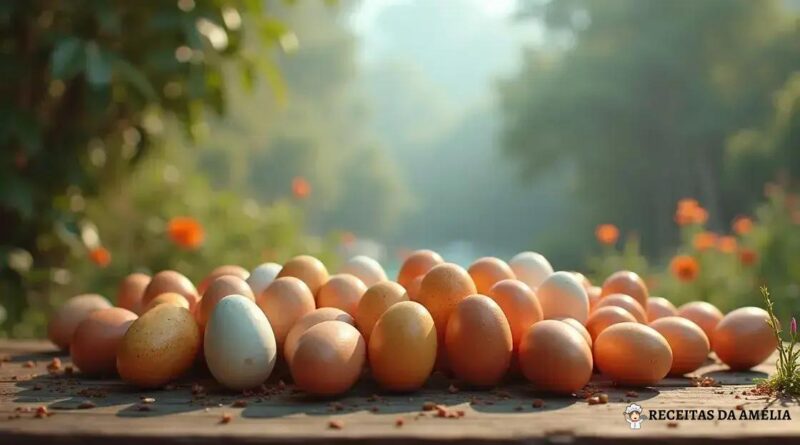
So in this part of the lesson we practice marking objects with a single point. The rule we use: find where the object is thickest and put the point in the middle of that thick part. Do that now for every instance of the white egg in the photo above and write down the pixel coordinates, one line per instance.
(531, 268)
(262, 276)
(561, 295)
(365, 269)
(239, 344)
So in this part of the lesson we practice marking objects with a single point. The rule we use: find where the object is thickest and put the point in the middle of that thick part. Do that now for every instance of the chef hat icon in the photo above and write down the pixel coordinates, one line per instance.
(633, 408)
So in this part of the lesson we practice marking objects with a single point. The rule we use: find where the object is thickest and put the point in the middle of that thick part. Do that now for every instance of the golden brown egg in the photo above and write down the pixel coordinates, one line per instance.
(487, 271)
(285, 301)
(167, 298)
(604, 317)
(308, 269)
(688, 342)
(594, 297)
(131, 291)
(519, 305)
(628, 283)
(220, 288)
(227, 269)
(402, 348)
(94, 344)
(413, 288)
(307, 321)
(342, 291)
(65, 320)
(562, 296)
(743, 339)
(365, 269)
(531, 268)
(478, 341)
(703, 314)
(376, 300)
(170, 281)
(575, 324)
(328, 358)
(625, 302)
(555, 357)
(440, 291)
(632, 354)
(417, 264)
(658, 307)
(159, 347)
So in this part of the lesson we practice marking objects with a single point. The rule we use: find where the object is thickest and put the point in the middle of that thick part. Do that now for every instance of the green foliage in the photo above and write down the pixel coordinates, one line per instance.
(786, 380)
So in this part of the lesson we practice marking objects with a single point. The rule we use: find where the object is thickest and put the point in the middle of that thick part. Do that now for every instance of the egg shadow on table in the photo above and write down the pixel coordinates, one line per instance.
(728, 377)
(43, 356)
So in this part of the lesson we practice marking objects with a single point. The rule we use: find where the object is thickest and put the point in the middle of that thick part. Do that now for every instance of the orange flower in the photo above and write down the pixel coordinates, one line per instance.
(704, 241)
(748, 257)
(742, 225)
(685, 268)
(186, 232)
(100, 256)
(727, 244)
(607, 234)
(690, 212)
(300, 187)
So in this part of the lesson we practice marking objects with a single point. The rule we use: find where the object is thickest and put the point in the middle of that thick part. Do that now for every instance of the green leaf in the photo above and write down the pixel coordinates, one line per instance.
(136, 78)
(67, 58)
(98, 65)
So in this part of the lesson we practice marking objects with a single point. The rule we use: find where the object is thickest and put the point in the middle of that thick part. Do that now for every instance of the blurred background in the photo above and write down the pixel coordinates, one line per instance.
(660, 136)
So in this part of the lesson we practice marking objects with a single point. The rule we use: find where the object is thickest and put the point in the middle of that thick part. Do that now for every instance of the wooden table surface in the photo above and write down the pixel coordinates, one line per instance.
(110, 412)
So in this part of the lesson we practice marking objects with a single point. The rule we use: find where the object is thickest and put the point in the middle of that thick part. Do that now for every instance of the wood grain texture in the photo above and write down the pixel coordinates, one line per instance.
(282, 415)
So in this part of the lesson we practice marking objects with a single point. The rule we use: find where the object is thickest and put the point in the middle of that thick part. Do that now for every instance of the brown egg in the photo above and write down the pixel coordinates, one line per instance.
(628, 283)
(594, 296)
(402, 349)
(487, 271)
(307, 321)
(441, 290)
(159, 347)
(604, 317)
(478, 341)
(170, 281)
(519, 305)
(328, 358)
(688, 342)
(743, 339)
(575, 324)
(658, 307)
(220, 288)
(413, 288)
(131, 290)
(632, 354)
(308, 269)
(342, 291)
(228, 269)
(376, 300)
(625, 302)
(167, 298)
(417, 264)
(705, 315)
(285, 301)
(65, 319)
(94, 344)
(562, 296)
(555, 357)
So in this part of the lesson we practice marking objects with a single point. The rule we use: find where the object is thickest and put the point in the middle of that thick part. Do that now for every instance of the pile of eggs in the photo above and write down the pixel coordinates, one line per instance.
(478, 324)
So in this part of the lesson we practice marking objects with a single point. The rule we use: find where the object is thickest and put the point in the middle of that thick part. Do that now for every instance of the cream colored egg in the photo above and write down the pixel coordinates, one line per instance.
(366, 269)
(531, 268)
(563, 296)
(262, 276)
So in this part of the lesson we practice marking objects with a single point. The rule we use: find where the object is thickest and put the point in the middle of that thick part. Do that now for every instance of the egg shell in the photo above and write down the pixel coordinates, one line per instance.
(562, 296)
(442, 288)
(531, 268)
(402, 347)
(604, 317)
(94, 345)
(308, 269)
(227, 269)
(366, 269)
(262, 276)
(594, 297)
(376, 300)
(519, 304)
(342, 291)
(583, 280)
(218, 289)
(555, 357)
(704, 314)
(312, 319)
(581, 329)
(284, 302)
(413, 288)
(159, 347)
(64, 321)
(167, 298)
(328, 358)
(170, 281)
(131, 291)
(658, 307)
(417, 264)
(487, 271)
(632, 354)
(628, 283)
(239, 345)
(688, 342)
(478, 341)
(625, 302)
(743, 339)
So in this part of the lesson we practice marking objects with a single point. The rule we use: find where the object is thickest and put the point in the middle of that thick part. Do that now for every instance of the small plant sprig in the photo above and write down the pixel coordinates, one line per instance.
(787, 378)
